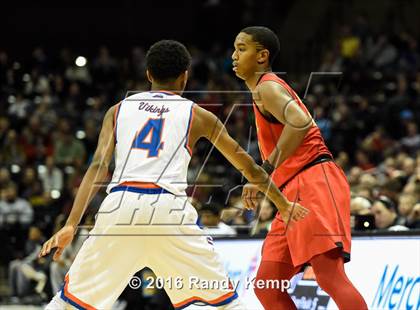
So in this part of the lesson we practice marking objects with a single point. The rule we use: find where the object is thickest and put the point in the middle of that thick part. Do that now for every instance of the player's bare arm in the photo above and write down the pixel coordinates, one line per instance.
(272, 99)
(95, 174)
(275, 100)
(207, 125)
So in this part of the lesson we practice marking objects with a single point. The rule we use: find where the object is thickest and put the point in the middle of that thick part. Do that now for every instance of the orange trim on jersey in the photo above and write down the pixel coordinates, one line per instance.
(140, 184)
(189, 129)
(210, 302)
(74, 298)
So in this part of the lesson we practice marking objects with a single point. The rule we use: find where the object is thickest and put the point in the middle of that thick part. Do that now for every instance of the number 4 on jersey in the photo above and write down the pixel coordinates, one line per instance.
(150, 137)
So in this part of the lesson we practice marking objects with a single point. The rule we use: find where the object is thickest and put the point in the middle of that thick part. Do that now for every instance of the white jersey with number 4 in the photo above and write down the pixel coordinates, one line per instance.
(151, 133)
(156, 229)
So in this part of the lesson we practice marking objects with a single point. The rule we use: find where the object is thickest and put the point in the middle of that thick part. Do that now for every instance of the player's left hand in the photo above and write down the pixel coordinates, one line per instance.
(249, 196)
(59, 240)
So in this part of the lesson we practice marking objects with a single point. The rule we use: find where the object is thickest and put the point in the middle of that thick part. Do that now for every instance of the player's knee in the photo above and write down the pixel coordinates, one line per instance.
(324, 280)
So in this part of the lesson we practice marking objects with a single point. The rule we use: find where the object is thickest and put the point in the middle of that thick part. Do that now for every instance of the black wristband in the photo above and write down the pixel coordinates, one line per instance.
(269, 168)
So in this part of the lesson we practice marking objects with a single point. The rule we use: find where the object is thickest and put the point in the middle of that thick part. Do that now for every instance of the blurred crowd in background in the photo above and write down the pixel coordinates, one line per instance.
(366, 103)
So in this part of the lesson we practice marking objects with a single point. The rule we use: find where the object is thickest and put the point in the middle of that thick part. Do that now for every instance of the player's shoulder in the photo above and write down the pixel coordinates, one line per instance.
(201, 113)
(270, 89)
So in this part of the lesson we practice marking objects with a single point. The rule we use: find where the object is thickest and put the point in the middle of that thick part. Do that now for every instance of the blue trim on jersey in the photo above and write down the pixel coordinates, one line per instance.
(138, 190)
(188, 129)
(69, 301)
(198, 223)
(222, 303)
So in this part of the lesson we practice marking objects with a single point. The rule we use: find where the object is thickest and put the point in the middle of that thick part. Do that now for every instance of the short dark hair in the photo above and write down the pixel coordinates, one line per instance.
(214, 209)
(267, 38)
(387, 202)
(166, 60)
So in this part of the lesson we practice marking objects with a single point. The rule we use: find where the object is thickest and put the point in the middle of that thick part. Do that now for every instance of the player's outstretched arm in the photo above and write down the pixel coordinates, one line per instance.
(96, 174)
(206, 124)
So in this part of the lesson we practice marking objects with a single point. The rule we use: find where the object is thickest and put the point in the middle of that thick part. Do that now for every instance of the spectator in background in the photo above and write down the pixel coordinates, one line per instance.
(382, 53)
(413, 184)
(31, 187)
(95, 111)
(411, 141)
(104, 71)
(350, 43)
(343, 161)
(67, 149)
(47, 114)
(91, 137)
(363, 191)
(385, 213)
(359, 205)
(18, 109)
(262, 225)
(4, 178)
(12, 151)
(211, 222)
(14, 210)
(406, 203)
(408, 210)
(21, 271)
(51, 176)
(413, 219)
(234, 217)
(363, 160)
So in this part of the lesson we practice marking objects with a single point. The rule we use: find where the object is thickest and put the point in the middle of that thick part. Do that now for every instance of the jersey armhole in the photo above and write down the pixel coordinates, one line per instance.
(116, 113)
(271, 119)
(187, 135)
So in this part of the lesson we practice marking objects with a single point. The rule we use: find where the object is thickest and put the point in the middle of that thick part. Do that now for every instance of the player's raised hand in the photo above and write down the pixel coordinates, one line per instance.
(249, 196)
(59, 240)
(293, 211)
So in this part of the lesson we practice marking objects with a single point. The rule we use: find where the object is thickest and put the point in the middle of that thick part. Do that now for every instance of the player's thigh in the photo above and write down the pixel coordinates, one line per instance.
(102, 269)
(190, 268)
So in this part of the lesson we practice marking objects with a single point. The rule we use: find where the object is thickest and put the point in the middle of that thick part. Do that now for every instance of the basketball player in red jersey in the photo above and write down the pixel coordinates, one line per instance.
(301, 165)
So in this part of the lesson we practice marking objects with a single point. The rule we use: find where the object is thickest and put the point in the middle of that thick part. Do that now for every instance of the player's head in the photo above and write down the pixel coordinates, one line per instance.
(210, 215)
(167, 64)
(255, 50)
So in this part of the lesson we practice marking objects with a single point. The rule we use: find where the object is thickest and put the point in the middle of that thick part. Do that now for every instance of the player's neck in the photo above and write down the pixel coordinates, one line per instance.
(252, 82)
(172, 87)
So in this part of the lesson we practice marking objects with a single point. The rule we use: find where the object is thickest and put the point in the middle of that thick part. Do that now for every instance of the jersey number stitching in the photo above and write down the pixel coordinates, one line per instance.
(153, 127)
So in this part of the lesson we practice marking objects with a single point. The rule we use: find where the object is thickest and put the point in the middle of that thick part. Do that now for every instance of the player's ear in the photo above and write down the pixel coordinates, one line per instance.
(149, 76)
(263, 56)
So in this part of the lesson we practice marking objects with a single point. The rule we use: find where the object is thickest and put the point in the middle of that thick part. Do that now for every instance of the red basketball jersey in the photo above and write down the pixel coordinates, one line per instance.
(269, 132)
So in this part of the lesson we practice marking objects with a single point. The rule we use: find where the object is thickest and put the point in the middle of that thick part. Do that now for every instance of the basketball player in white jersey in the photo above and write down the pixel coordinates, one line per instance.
(146, 219)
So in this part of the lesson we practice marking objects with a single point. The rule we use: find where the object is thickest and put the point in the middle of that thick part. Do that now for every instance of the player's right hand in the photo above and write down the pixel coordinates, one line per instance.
(59, 240)
(293, 211)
